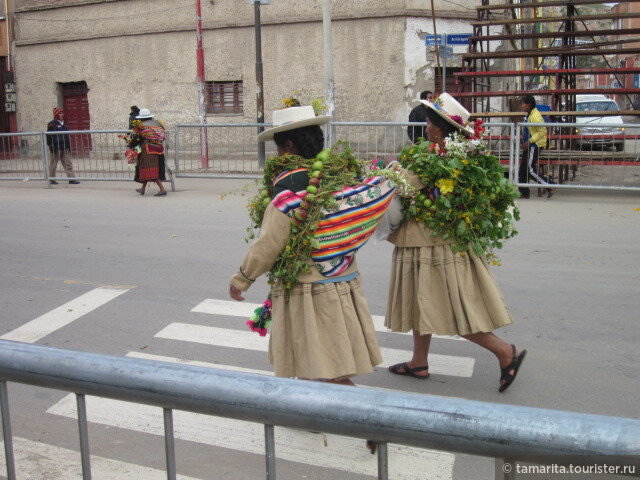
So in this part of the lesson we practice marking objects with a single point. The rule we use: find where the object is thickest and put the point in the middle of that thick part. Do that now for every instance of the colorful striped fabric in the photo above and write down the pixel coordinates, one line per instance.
(153, 135)
(347, 227)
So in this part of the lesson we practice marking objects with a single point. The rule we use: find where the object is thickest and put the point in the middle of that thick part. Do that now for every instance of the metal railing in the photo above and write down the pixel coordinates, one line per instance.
(22, 156)
(379, 139)
(604, 156)
(231, 150)
(592, 156)
(98, 155)
(424, 421)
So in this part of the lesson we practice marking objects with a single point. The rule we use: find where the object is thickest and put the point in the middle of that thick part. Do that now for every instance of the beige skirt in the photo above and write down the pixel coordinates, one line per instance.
(323, 331)
(434, 290)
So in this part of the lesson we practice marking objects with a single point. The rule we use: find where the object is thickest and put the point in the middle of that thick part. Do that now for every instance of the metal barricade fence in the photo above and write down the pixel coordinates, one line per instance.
(22, 156)
(604, 156)
(232, 149)
(379, 139)
(95, 155)
(225, 150)
(451, 424)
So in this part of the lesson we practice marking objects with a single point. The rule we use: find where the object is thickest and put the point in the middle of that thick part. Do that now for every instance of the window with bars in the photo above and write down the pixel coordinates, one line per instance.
(224, 97)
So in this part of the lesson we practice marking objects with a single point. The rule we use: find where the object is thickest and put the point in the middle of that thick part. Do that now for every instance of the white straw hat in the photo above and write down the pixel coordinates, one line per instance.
(292, 118)
(144, 113)
(449, 108)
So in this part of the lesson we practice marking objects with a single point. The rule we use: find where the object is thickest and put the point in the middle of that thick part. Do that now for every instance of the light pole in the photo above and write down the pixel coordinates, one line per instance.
(202, 111)
(328, 55)
(259, 79)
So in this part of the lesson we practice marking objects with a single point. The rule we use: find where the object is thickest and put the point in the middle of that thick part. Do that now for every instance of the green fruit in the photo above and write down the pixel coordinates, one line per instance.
(314, 181)
(312, 189)
(266, 201)
(432, 208)
(316, 174)
(323, 156)
(492, 196)
(317, 165)
(422, 197)
(305, 205)
(300, 214)
(427, 203)
(264, 193)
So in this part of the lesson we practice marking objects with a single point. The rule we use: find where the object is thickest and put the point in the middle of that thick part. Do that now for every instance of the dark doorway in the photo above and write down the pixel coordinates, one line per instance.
(76, 114)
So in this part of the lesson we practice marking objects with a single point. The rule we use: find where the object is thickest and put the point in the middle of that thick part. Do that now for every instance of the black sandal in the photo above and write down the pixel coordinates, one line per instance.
(372, 445)
(409, 371)
(515, 366)
(140, 191)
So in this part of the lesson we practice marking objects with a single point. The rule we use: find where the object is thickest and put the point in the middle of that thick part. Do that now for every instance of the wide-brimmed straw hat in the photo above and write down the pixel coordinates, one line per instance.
(144, 113)
(292, 118)
(450, 109)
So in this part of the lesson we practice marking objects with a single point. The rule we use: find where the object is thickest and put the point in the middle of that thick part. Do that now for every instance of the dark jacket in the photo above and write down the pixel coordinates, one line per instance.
(58, 142)
(418, 114)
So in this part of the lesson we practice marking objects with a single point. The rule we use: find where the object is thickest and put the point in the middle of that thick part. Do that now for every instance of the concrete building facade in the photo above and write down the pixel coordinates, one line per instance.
(106, 55)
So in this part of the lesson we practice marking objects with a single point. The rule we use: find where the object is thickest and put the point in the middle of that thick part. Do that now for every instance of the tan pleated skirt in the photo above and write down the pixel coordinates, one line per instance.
(323, 331)
(434, 290)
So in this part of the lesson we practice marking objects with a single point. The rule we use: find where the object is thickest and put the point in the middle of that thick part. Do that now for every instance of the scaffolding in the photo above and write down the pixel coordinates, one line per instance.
(538, 54)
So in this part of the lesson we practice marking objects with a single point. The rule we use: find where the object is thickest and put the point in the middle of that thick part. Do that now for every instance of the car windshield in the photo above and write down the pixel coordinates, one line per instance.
(599, 106)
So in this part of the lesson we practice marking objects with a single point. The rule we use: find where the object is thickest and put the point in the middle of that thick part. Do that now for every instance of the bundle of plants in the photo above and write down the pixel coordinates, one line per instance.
(466, 196)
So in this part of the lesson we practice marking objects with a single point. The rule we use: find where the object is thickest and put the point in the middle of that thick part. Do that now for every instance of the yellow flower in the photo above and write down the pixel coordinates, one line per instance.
(445, 185)
(411, 151)
(495, 262)
(465, 162)
(455, 173)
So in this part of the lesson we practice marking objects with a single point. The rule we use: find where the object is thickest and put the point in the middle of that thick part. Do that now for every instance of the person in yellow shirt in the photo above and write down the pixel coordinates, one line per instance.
(535, 139)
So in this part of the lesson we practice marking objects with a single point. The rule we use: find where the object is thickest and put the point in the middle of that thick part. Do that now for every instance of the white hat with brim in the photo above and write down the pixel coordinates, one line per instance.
(447, 107)
(144, 113)
(292, 118)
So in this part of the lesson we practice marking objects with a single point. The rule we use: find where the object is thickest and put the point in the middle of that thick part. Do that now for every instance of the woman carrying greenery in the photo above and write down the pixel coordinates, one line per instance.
(440, 282)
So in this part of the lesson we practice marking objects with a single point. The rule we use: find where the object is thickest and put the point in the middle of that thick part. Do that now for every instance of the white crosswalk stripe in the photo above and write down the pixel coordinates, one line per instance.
(223, 337)
(228, 308)
(57, 318)
(329, 451)
(38, 461)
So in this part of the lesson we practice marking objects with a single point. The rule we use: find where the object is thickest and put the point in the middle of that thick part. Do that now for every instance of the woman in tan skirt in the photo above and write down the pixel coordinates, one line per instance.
(436, 291)
(321, 328)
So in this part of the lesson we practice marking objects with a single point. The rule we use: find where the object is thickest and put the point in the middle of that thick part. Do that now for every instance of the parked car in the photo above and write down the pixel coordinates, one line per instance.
(599, 103)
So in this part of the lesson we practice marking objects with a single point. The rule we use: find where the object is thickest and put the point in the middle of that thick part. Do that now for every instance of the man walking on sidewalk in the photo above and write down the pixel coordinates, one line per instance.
(60, 147)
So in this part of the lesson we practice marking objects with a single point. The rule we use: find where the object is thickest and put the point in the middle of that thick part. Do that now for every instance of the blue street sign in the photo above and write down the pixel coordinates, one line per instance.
(458, 38)
(636, 81)
(430, 40)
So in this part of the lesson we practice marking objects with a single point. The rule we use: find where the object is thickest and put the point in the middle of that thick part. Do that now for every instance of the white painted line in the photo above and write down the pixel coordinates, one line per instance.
(223, 337)
(328, 451)
(55, 319)
(213, 306)
(38, 461)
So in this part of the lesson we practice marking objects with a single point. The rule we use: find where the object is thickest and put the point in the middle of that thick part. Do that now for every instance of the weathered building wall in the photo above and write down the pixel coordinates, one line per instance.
(143, 52)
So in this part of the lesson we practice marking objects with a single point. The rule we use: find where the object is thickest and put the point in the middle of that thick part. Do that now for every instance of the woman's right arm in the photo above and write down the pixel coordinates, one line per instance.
(264, 251)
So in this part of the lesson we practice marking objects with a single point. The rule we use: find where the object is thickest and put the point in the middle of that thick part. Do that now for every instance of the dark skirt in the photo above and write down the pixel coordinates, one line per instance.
(149, 168)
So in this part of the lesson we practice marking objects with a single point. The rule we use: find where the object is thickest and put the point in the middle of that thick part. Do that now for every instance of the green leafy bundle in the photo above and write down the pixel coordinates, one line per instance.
(333, 170)
(466, 196)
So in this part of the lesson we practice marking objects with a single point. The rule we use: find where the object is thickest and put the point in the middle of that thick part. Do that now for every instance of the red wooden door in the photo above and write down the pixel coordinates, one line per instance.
(76, 114)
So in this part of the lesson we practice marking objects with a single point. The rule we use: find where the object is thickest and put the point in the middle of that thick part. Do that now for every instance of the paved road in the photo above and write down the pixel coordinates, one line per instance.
(96, 267)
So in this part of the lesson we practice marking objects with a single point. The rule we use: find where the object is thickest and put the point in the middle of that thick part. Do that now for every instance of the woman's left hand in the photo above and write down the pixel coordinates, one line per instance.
(235, 293)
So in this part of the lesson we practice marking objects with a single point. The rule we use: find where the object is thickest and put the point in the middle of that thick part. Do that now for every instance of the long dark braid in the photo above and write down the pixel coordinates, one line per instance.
(309, 141)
